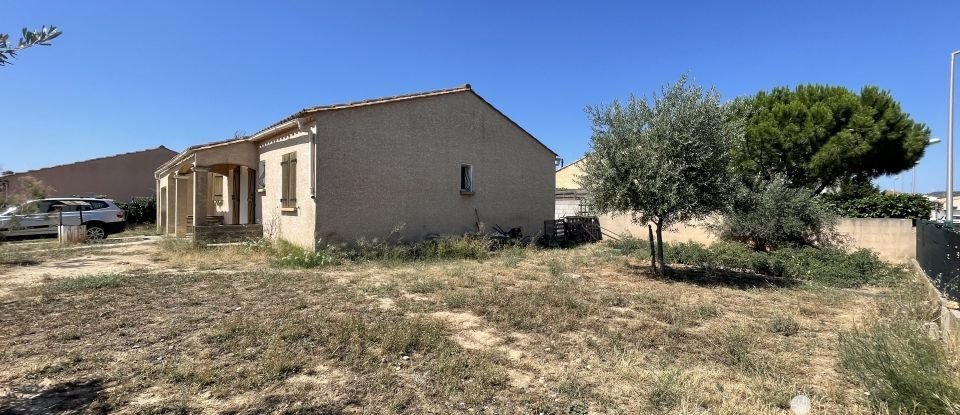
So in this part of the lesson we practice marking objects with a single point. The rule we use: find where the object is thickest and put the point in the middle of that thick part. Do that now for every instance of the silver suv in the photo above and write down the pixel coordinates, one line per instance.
(41, 217)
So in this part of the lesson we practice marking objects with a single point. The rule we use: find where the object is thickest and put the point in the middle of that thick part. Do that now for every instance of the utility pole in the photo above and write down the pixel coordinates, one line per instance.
(953, 58)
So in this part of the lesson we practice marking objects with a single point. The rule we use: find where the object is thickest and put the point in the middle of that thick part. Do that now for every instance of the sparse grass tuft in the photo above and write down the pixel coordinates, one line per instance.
(903, 368)
(784, 324)
(558, 306)
(88, 282)
(426, 285)
(556, 268)
(665, 390)
(738, 344)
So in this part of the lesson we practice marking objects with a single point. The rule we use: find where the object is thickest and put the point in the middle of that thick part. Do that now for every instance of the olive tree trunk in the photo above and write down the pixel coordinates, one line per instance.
(653, 250)
(661, 265)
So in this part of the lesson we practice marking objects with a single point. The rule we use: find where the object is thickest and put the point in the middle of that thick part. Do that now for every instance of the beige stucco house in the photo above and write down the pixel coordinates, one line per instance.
(424, 163)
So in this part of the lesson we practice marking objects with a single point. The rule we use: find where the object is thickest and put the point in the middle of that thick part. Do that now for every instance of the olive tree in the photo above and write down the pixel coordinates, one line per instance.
(662, 160)
(28, 38)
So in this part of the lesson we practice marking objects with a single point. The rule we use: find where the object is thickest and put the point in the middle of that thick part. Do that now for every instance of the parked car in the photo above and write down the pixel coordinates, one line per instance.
(42, 217)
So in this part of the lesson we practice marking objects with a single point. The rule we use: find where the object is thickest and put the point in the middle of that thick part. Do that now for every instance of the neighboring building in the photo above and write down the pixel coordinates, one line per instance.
(568, 176)
(121, 177)
(569, 197)
(425, 163)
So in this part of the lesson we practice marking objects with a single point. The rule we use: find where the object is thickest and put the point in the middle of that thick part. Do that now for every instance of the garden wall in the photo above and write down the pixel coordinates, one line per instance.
(893, 239)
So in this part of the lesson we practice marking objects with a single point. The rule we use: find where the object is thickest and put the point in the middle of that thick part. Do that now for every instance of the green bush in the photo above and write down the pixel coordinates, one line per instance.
(292, 256)
(629, 245)
(904, 369)
(882, 205)
(771, 215)
(139, 210)
(828, 266)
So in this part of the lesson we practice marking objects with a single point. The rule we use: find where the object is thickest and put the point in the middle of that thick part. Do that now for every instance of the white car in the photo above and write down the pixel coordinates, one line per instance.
(42, 217)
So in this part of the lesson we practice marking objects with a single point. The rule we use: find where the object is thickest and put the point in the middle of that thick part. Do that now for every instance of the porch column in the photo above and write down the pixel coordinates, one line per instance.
(158, 200)
(171, 222)
(243, 193)
(200, 199)
(181, 205)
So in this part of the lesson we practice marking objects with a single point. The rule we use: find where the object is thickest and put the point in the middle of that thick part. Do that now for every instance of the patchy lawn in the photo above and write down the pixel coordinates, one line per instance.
(575, 331)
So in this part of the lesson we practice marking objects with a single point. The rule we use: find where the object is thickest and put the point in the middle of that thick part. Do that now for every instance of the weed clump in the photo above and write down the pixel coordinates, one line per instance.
(902, 367)
(784, 324)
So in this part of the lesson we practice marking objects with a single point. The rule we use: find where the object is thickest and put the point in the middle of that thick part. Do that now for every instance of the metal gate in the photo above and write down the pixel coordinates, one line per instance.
(938, 253)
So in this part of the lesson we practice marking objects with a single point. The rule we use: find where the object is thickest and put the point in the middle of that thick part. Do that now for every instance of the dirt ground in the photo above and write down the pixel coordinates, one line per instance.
(124, 257)
(148, 329)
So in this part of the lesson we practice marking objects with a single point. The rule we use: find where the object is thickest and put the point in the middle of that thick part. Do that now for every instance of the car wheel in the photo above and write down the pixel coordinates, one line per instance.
(95, 233)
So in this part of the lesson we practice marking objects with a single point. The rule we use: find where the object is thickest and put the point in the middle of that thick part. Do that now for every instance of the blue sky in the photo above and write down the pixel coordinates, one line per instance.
(132, 75)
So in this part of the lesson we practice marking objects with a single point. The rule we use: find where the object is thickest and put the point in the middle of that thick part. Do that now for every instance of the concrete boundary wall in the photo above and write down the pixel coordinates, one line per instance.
(893, 239)
(949, 317)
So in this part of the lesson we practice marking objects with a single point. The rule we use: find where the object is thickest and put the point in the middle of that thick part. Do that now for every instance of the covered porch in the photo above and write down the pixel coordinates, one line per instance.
(210, 193)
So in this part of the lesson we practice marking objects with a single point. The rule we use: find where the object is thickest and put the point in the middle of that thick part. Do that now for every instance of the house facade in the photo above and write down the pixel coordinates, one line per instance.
(406, 166)
(121, 177)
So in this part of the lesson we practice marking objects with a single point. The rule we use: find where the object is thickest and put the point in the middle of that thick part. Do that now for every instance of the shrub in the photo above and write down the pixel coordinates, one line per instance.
(828, 266)
(630, 245)
(902, 367)
(773, 215)
(293, 256)
(139, 210)
(882, 205)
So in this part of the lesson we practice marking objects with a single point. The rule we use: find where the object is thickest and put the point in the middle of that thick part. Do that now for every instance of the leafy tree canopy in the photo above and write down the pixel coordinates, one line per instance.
(664, 160)
(818, 136)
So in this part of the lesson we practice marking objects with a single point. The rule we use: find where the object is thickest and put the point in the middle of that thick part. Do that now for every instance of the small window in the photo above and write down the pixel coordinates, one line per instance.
(217, 187)
(288, 181)
(466, 178)
(262, 176)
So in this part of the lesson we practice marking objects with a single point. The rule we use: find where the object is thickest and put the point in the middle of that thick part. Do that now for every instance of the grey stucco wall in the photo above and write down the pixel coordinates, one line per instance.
(398, 164)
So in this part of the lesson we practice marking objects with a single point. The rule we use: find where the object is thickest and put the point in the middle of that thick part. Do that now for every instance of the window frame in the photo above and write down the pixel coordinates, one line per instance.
(288, 181)
(217, 191)
(469, 189)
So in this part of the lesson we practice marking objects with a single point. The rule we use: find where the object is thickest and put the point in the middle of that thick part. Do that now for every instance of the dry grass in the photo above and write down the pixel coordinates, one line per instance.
(181, 254)
(559, 331)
